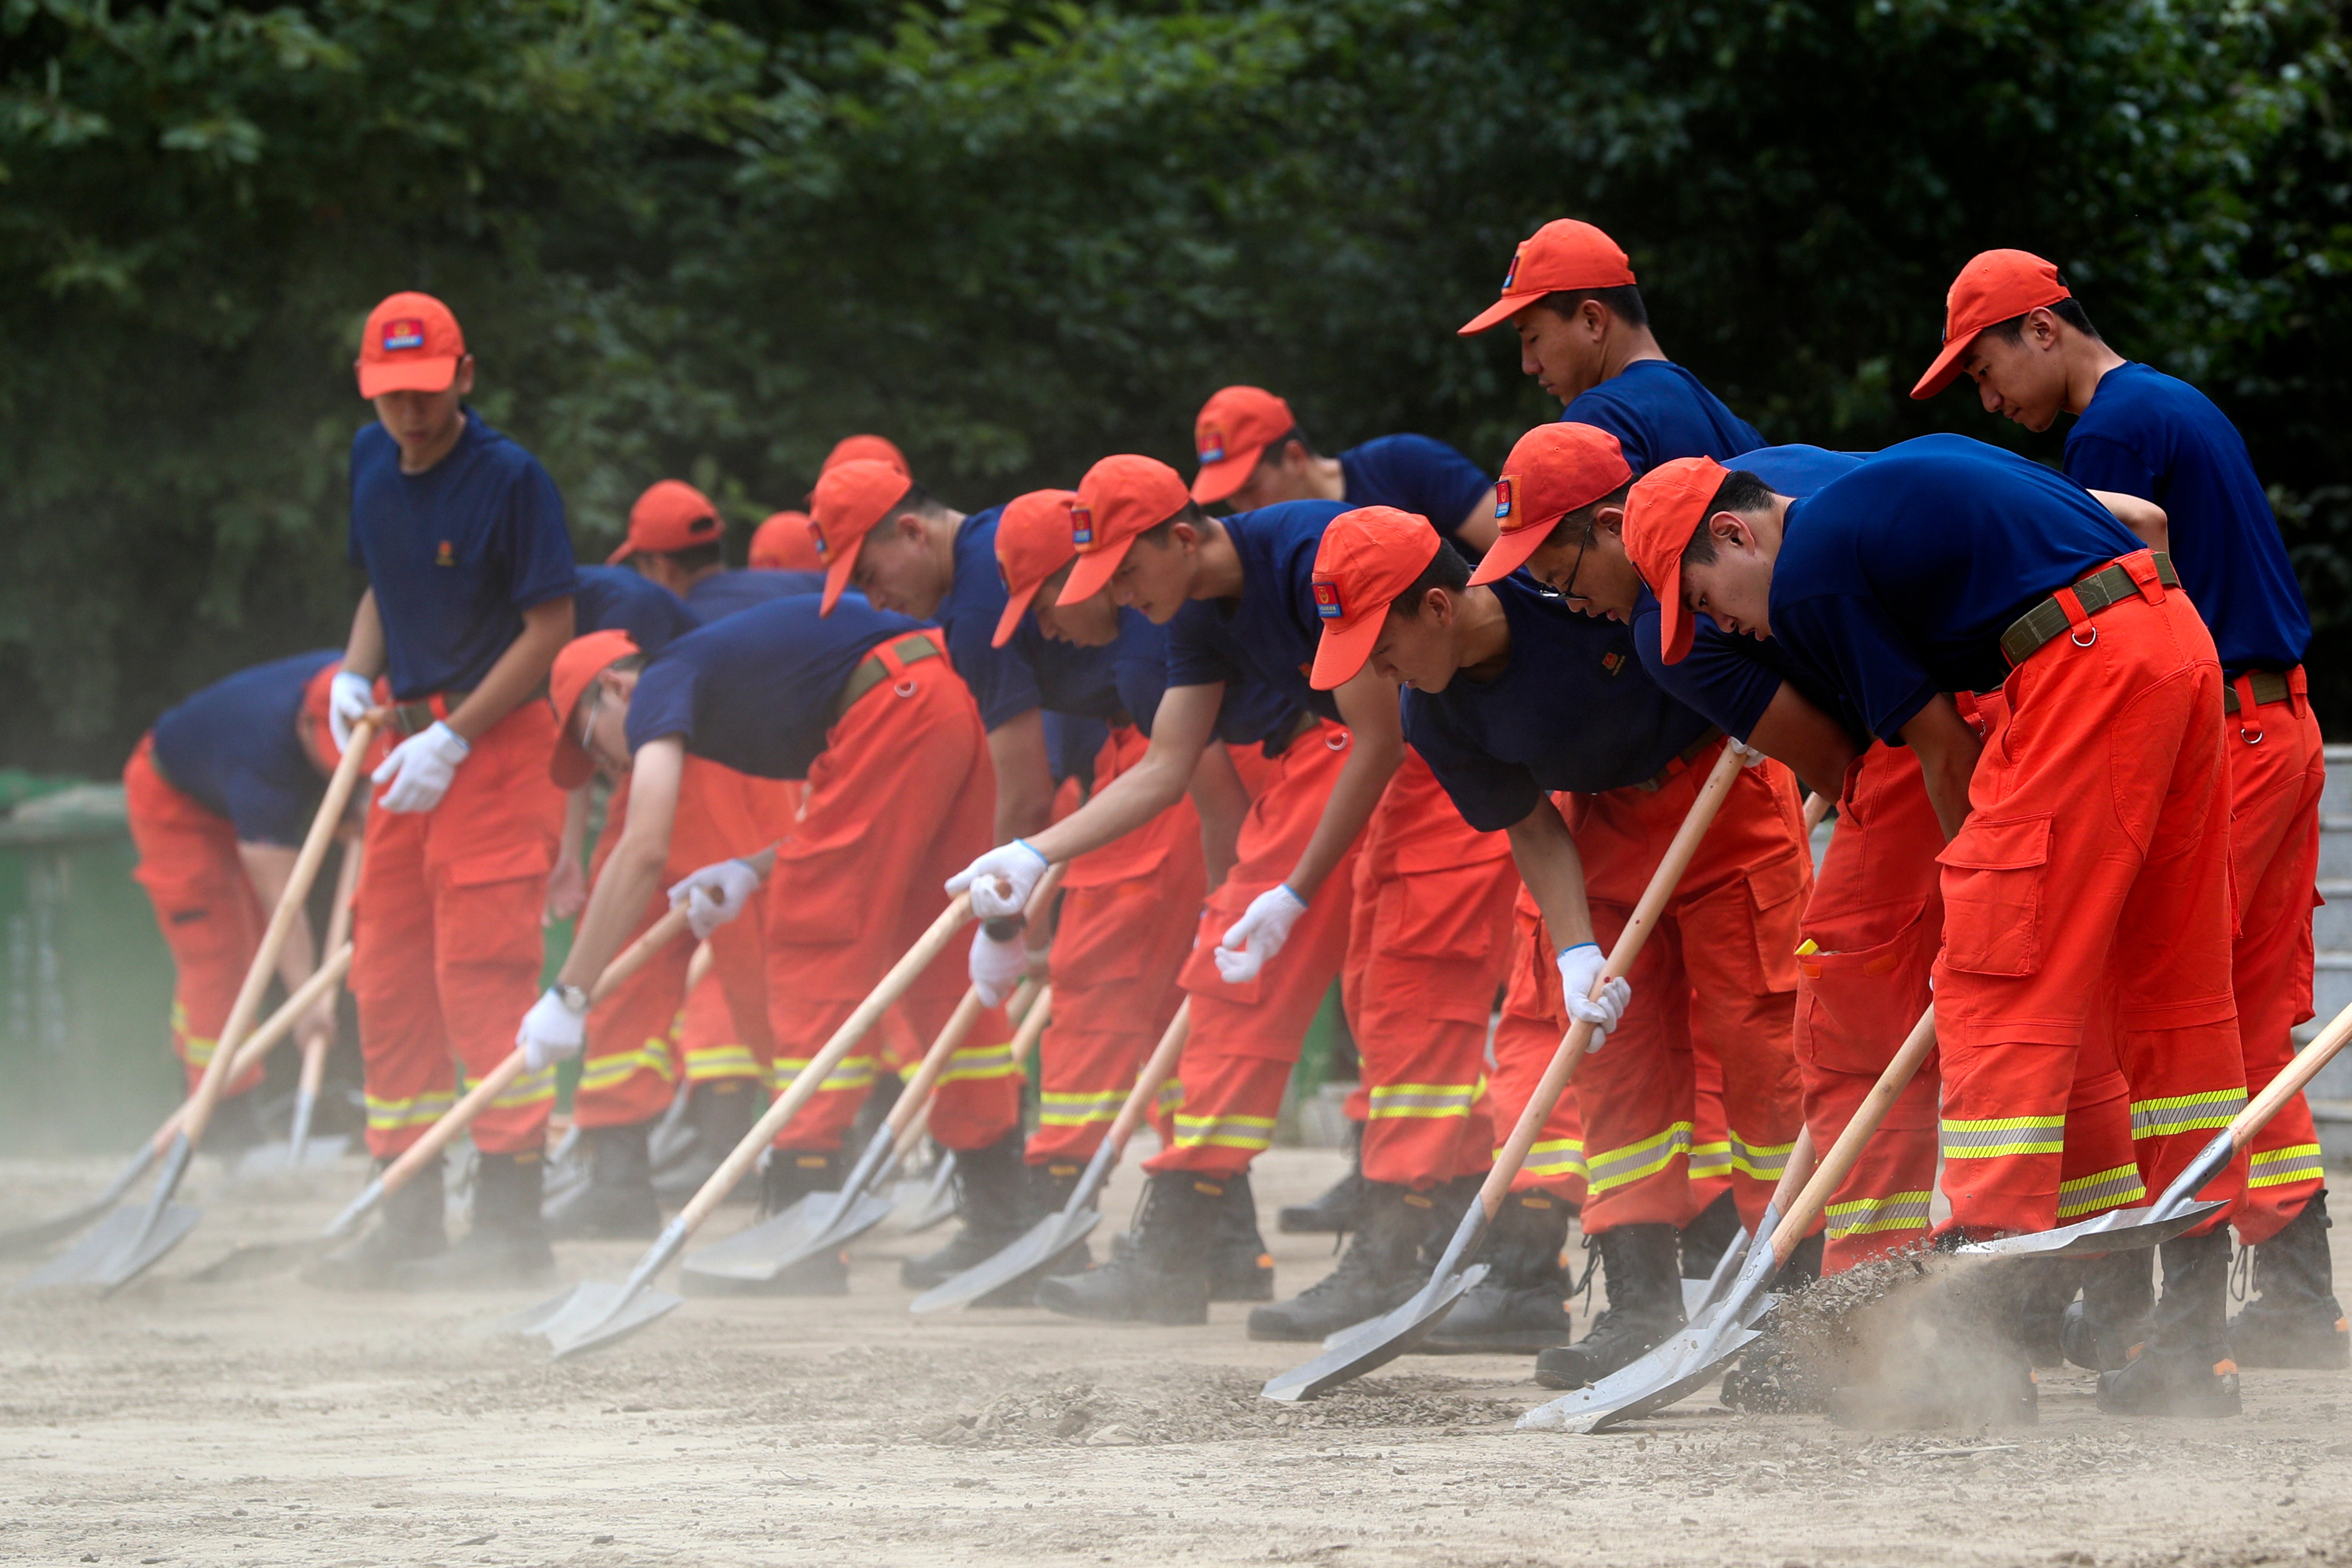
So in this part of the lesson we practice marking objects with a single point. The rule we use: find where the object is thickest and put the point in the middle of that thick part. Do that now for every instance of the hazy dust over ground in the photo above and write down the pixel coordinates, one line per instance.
(258, 1421)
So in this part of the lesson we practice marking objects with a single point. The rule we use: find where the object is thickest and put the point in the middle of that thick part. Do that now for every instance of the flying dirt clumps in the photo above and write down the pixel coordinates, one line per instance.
(1197, 1408)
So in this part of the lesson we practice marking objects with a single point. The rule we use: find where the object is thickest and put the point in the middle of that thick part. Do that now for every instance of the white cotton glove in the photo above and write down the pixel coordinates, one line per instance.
(349, 697)
(551, 1032)
(1580, 966)
(998, 967)
(1251, 942)
(715, 895)
(420, 768)
(1001, 881)
(1749, 757)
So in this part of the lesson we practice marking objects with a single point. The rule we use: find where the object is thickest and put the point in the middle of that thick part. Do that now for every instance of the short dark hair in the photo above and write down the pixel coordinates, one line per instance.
(1158, 531)
(1582, 516)
(2069, 310)
(1624, 301)
(1740, 492)
(1273, 449)
(1446, 570)
(695, 557)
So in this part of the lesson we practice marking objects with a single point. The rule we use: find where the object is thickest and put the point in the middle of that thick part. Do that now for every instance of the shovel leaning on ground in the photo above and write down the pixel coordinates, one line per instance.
(592, 1314)
(299, 1148)
(131, 1240)
(927, 1198)
(1384, 1339)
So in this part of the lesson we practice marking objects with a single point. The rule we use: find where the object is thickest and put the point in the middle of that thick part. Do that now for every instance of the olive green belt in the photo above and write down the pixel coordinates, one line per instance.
(2101, 590)
(873, 671)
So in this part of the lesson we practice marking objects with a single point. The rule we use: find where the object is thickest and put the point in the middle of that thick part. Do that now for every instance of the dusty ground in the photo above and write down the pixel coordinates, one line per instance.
(262, 1422)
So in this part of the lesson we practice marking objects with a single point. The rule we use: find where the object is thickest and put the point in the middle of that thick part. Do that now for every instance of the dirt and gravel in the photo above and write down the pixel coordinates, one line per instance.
(261, 1422)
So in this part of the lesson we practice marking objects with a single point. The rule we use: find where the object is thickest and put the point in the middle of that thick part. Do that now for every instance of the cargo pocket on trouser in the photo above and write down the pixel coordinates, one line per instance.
(1993, 881)
(1856, 1007)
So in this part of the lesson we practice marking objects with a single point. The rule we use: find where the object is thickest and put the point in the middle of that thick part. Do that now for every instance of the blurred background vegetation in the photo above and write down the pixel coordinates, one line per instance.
(709, 239)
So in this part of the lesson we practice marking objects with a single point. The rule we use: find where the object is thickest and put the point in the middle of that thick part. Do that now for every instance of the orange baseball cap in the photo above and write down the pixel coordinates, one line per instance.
(864, 449)
(411, 343)
(1993, 287)
(783, 543)
(1232, 431)
(1120, 498)
(671, 516)
(1563, 254)
(851, 498)
(1553, 470)
(1033, 540)
(576, 669)
(1368, 558)
(1663, 511)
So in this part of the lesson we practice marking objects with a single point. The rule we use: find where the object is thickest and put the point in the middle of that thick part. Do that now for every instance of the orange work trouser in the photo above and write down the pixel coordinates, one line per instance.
(1245, 1038)
(901, 799)
(724, 1033)
(1710, 1155)
(1721, 966)
(1524, 1043)
(1428, 941)
(2087, 896)
(1128, 911)
(445, 939)
(2276, 775)
(629, 1069)
(204, 906)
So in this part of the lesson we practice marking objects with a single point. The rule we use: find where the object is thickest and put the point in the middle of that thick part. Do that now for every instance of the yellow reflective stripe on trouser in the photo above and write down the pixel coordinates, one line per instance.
(849, 1073)
(2101, 1190)
(2186, 1112)
(390, 1115)
(1081, 1107)
(1170, 1095)
(527, 1090)
(1615, 1168)
(1710, 1160)
(1407, 1099)
(970, 1063)
(599, 1073)
(1251, 1132)
(1554, 1158)
(197, 1051)
(2000, 1136)
(2277, 1167)
(1765, 1162)
(707, 1062)
(1869, 1216)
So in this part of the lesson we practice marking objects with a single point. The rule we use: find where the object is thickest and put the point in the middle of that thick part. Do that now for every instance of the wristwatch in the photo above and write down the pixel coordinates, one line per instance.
(574, 999)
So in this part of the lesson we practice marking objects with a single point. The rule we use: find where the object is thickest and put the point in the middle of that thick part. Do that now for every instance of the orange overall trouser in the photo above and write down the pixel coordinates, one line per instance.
(2088, 896)
(1428, 941)
(1721, 966)
(2276, 775)
(1129, 911)
(1245, 1038)
(628, 1072)
(724, 1035)
(204, 906)
(446, 938)
(901, 799)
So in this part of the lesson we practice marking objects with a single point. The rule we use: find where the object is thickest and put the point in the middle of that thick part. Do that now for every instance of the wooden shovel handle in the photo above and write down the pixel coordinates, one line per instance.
(1156, 1070)
(1799, 1217)
(258, 1045)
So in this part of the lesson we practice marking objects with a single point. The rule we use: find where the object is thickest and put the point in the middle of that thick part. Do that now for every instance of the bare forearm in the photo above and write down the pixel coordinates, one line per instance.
(1363, 777)
(1808, 741)
(520, 672)
(1025, 776)
(364, 650)
(1124, 804)
(1553, 870)
(631, 877)
(1223, 803)
(270, 867)
(1946, 746)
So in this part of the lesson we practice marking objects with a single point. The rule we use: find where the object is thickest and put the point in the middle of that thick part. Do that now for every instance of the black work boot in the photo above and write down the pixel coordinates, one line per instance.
(1642, 1266)
(617, 1198)
(1379, 1271)
(1521, 1306)
(1340, 1209)
(721, 1110)
(2043, 1301)
(508, 1245)
(1162, 1276)
(788, 1175)
(991, 1187)
(408, 1226)
(1240, 1268)
(2184, 1367)
(1051, 1183)
(236, 1125)
(2104, 1330)
(2294, 1319)
(1709, 1233)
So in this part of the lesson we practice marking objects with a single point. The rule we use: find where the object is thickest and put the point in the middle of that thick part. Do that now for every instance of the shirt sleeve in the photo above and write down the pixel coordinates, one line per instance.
(1490, 793)
(264, 811)
(2097, 463)
(1603, 412)
(541, 540)
(1725, 687)
(1001, 679)
(1855, 640)
(662, 705)
(1196, 654)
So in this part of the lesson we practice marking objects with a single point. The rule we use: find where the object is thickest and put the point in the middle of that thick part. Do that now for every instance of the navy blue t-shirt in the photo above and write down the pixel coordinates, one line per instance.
(755, 690)
(722, 594)
(1417, 474)
(1658, 411)
(1573, 709)
(1732, 679)
(1031, 670)
(1270, 632)
(1896, 581)
(456, 554)
(1250, 711)
(1071, 744)
(2152, 436)
(234, 750)
(620, 598)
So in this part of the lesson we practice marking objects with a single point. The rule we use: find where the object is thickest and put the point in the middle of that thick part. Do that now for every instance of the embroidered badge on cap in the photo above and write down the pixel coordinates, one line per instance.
(1082, 525)
(1327, 599)
(1512, 275)
(817, 535)
(1209, 441)
(408, 333)
(1503, 496)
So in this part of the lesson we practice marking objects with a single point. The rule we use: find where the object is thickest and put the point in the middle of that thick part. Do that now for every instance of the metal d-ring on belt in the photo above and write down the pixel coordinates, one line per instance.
(2269, 686)
(414, 718)
(2101, 590)
(872, 671)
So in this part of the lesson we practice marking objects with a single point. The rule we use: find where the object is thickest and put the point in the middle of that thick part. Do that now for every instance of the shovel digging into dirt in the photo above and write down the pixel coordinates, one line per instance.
(1384, 1339)
(299, 1148)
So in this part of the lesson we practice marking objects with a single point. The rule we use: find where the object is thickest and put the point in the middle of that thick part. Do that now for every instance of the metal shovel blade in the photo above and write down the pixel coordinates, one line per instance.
(1376, 1343)
(1676, 1370)
(605, 1314)
(931, 1201)
(31, 1237)
(815, 1224)
(2119, 1230)
(1039, 1246)
(119, 1248)
(273, 1159)
(537, 1320)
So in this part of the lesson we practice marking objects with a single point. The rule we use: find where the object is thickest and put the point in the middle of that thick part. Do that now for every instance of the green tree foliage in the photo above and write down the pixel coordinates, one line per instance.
(710, 239)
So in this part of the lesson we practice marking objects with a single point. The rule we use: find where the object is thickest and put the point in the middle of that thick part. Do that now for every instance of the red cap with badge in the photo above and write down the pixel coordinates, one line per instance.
(1994, 287)
(1367, 560)
(576, 669)
(1231, 433)
(850, 499)
(783, 543)
(1663, 510)
(1552, 471)
(1563, 255)
(671, 516)
(864, 449)
(411, 343)
(1033, 542)
(1122, 498)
